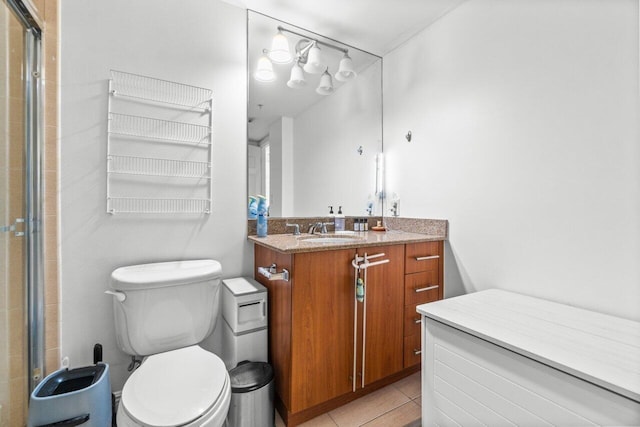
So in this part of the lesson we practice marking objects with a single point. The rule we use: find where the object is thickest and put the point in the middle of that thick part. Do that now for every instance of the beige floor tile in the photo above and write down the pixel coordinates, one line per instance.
(418, 400)
(410, 385)
(401, 416)
(323, 420)
(368, 407)
(279, 422)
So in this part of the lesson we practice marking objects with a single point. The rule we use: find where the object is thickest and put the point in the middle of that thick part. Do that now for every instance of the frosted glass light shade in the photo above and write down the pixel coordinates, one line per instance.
(280, 53)
(326, 84)
(346, 70)
(297, 80)
(264, 70)
(314, 63)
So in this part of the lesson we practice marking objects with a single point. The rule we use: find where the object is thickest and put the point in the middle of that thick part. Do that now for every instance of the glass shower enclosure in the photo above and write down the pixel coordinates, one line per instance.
(21, 282)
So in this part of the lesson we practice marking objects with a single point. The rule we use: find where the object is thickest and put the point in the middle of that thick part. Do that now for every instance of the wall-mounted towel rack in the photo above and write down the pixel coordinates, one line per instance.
(141, 183)
(271, 273)
(360, 265)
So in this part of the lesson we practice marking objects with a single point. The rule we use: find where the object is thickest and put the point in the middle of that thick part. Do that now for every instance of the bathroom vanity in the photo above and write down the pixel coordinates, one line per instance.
(328, 346)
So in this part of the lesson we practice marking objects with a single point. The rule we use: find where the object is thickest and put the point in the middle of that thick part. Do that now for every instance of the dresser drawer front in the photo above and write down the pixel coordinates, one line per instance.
(420, 288)
(412, 350)
(422, 257)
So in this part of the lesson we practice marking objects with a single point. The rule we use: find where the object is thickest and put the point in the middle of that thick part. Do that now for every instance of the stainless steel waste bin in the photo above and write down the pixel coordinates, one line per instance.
(73, 397)
(252, 396)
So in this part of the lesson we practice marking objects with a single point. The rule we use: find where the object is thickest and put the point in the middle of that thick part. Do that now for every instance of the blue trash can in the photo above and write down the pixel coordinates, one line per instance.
(72, 397)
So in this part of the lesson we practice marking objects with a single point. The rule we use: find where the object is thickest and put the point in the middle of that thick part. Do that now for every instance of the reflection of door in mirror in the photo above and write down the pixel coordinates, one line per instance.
(323, 128)
(258, 169)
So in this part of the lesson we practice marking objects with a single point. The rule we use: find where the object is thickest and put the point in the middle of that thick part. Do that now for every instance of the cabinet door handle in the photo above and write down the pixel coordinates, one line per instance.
(428, 288)
(424, 258)
(417, 321)
(416, 352)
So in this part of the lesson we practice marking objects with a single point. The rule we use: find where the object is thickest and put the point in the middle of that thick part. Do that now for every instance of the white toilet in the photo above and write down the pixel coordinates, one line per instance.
(162, 311)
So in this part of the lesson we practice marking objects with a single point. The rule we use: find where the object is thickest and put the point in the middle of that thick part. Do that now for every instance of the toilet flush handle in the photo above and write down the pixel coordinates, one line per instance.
(119, 295)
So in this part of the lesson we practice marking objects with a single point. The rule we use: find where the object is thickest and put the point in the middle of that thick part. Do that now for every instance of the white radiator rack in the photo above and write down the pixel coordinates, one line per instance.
(141, 183)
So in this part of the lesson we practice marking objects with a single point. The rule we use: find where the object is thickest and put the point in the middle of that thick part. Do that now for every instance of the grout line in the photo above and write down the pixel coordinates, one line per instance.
(331, 418)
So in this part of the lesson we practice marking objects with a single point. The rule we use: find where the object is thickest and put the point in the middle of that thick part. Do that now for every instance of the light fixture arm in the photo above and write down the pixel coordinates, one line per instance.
(302, 52)
(311, 40)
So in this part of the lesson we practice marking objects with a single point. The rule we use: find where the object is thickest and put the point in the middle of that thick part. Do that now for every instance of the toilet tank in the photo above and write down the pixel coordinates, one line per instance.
(164, 306)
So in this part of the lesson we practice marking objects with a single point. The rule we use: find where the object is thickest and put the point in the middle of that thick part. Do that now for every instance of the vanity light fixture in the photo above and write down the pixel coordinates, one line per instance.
(280, 53)
(308, 58)
(380, 176)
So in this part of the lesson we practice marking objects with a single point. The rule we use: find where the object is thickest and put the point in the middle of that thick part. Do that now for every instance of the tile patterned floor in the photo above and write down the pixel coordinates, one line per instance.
(396, 405)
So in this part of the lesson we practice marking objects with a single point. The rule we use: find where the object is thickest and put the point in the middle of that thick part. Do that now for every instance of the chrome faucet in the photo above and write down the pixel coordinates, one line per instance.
(296, 228)
(320, 227)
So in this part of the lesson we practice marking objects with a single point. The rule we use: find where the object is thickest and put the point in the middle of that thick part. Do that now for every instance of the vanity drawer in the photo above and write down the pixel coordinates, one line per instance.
(411, 320)
(412, 350)
(420, 288)
(422, 257)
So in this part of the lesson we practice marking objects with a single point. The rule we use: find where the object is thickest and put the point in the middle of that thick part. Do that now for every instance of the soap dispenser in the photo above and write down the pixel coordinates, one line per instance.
(339, 220)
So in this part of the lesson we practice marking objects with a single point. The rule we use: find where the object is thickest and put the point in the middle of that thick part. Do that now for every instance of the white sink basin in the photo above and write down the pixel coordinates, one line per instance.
(328, 239)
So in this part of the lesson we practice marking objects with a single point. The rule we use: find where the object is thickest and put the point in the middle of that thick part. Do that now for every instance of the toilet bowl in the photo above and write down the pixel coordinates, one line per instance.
(162, 311)
(184, 387)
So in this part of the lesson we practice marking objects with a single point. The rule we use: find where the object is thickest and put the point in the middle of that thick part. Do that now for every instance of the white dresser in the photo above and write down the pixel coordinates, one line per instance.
(499, 358)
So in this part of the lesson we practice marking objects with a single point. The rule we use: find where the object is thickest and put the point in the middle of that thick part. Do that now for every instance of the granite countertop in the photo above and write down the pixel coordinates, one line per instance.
(288, 243)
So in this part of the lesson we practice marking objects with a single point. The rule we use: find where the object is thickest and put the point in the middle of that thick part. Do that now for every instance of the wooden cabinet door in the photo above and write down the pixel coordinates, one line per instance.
(322, 327)
(383, 338)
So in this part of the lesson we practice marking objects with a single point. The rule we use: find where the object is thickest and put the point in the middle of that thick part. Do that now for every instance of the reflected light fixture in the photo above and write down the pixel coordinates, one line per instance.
(314, 63)
(280, 53)
(296, 80)
(346, 71)
(326, 84)
(264, 70)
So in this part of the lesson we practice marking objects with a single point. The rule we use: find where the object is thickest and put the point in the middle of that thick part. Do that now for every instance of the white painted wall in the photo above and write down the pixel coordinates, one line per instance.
(525, 123)
(191, 41)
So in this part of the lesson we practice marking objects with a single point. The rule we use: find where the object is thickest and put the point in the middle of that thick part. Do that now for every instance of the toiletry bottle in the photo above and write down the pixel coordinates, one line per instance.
(262, 217)
(356, 224)
(253, 207)
(339, 220)
(365, 224)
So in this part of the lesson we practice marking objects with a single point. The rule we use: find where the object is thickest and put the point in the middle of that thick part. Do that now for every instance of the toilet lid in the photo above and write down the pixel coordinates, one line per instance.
(175, 387)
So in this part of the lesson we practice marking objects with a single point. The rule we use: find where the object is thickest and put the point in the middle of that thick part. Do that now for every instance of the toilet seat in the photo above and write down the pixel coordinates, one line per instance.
(175, 388)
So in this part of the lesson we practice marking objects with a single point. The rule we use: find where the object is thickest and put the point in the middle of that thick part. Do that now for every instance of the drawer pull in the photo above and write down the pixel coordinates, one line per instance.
(417, 321)
(428, 288)
(424, 258)
(416, 352)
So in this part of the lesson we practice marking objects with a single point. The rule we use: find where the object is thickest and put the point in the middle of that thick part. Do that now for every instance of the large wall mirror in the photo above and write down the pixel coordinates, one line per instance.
(315, 121)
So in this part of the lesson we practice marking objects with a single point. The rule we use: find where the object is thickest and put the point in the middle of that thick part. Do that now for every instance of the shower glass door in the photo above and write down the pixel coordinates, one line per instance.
(20, 178)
